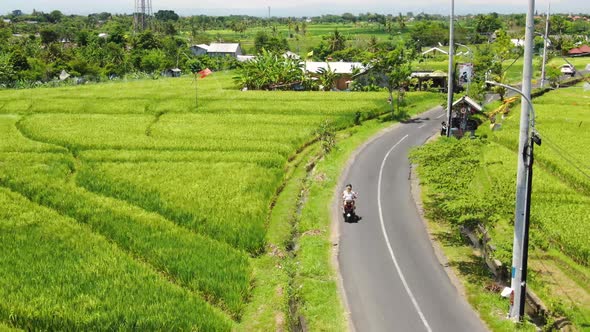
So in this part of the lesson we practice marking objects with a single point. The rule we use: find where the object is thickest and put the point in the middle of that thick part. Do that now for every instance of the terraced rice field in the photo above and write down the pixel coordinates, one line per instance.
(124, 207)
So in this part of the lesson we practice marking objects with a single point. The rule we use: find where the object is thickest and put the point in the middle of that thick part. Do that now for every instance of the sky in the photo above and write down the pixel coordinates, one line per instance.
(296, 8)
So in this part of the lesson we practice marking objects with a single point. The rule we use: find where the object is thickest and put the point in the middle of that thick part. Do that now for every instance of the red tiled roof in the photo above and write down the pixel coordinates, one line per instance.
(585, 49)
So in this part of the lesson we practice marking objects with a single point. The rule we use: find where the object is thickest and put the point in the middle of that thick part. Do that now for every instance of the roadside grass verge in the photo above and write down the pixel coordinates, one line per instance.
(559, 221)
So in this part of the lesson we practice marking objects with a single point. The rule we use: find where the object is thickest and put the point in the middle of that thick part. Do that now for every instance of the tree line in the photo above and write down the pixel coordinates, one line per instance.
(38, 46)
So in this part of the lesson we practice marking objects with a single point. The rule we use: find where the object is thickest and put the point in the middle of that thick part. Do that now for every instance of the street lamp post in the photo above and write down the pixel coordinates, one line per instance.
(451, 78)
(532, 138)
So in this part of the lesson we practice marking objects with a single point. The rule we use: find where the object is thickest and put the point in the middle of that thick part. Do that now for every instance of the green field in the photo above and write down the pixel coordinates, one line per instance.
(560, 223)
(357, 35)
(124, 206)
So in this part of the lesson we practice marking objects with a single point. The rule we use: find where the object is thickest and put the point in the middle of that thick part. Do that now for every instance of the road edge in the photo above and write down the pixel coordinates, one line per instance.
(416, 192)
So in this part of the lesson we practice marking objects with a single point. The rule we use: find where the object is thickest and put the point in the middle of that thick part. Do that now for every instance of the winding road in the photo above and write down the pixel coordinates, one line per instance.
(392, 278)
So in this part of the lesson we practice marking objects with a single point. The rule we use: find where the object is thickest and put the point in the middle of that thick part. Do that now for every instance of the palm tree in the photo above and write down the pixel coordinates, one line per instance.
(336, 41)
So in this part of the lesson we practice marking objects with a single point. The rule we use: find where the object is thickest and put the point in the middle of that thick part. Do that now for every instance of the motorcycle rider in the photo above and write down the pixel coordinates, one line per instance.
(349, 196)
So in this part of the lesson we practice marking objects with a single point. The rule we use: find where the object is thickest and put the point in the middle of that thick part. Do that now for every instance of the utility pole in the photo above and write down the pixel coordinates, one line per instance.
(518, 284)
(451, 78)
(545, 39)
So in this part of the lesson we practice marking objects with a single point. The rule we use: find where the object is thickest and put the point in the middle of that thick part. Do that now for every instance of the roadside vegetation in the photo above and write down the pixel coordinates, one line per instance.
(470, 182)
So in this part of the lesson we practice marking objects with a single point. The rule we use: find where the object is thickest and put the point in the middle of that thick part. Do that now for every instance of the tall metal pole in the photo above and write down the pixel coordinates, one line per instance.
(450, 85)
(517, 283)
(545, 46)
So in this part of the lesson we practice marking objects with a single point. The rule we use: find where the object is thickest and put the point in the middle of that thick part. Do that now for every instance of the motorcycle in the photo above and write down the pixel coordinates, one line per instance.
(349, 214)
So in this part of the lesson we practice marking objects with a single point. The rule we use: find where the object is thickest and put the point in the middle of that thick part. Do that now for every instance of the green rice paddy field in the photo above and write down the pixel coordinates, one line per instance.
(122, 206)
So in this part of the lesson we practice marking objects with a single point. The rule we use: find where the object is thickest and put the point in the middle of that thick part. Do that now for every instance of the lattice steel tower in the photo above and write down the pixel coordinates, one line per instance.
(142, 15)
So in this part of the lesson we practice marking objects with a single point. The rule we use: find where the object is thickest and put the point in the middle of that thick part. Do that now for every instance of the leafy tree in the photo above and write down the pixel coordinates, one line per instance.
(336, 41)
(393, 70)
(154, 61)
(487, 24)
(19, 61)
(166, 15)
(263, 41)
(146, 41)
(48, 36)
(401, 21)
(55, 16)
(502, 46)
(7, 73)
(82, 37)
(429, 33)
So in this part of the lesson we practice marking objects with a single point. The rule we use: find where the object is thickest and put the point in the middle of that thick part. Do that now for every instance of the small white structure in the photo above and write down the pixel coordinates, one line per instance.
(291, 55)
(244, 58)
(434, 50)
(103, 35)
(517, 42)
(64, 75)
(173, 72)
(225, 49)
(217, 49)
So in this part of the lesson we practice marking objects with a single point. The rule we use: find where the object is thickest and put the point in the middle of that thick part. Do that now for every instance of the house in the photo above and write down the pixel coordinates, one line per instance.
(343, 70)
(103, 35)
(583, 50)
(200, 49)
(173, 72)
(224, 49)
(6, 20)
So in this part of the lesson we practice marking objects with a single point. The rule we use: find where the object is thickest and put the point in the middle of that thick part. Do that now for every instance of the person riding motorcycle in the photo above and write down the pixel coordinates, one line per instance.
(349, 197)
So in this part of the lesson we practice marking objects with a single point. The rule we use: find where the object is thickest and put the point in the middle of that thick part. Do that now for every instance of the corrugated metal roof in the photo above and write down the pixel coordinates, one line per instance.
(203, 46)
(337, 67)
(223, 48)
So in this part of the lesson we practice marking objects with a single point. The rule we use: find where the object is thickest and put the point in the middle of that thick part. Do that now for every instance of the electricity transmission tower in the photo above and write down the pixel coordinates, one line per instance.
(142, 15)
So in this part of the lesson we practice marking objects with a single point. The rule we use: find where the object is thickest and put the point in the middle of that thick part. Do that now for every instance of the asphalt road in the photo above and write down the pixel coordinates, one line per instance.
(392, 278)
